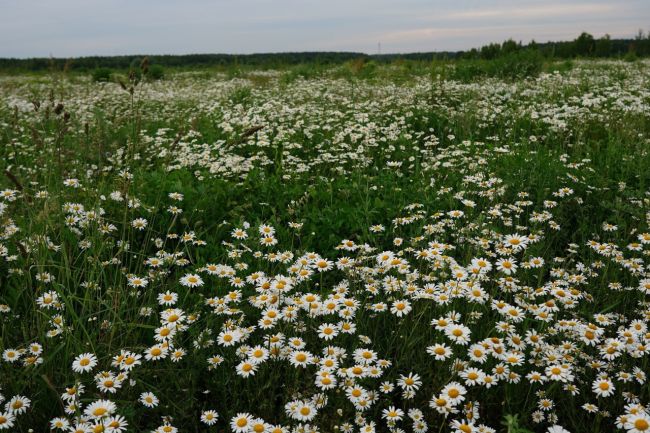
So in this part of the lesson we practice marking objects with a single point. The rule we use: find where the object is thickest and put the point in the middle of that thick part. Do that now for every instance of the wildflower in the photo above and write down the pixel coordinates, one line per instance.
(18, 405)
(84, 363)
(100, 409)
(191, 280)
(55, 423)
(116, 424)
(209, 417)
(401, 308)
(392, 414)
(241, 422)
(459, 334)
(300, 410)
(148, 399)
(507, 266)
(134, 281)
(638, 423)
(603, 387)
(139, 224)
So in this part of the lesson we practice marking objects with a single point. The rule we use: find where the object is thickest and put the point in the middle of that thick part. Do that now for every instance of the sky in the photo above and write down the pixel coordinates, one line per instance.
(73, 28)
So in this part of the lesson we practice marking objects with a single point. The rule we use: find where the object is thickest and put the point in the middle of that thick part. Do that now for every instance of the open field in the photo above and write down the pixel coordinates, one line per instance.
(359, 248)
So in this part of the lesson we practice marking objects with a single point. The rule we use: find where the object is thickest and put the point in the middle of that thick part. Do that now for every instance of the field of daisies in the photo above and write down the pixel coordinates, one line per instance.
(345, 250)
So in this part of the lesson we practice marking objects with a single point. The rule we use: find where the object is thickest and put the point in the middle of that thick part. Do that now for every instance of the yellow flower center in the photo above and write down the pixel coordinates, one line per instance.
(641, 425)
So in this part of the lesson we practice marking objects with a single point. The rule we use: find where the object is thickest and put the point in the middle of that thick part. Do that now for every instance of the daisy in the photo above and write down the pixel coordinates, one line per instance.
(209, 417)
(139, 224)
(100, 409)
(154, 262)
(401, 308)
(156, 352)
(301, 411)
(72, 393)
(172, 315)
(472, 376)
(165, 333)
(327, 332)
(166, 428)
(18, 405)
(116, 424)
(129, 360)
(177, 354)
(56, 423)
(258, 355)
(482, 264)
(268, 241)
(84, 363)
(322, 265)
(108, 383)
(246, 369)
(440, 352)
(459, 334)
(556, 372)
(364, 356)
(258, 426)
(241, 423)
(507, 266)
(10, 355)
(229, 338)
(410, 382)
(515, 242)
(454, 392)
(590, 407)
(463, 426)
(239, 233)
(441, 404)
(137, 282)
(149, 399)
(7, 420)
(168, 298)
(300, 358)
(639, 423)
(81, 427)
(191, 280)
(603, 387)
(392, 414)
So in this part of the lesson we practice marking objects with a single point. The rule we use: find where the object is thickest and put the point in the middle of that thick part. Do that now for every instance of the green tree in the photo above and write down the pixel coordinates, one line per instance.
(604, 46)
(585, 45)
(509, 46)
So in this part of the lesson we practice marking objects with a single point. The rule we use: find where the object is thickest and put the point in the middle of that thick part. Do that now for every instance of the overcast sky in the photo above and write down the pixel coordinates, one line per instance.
(66, 28)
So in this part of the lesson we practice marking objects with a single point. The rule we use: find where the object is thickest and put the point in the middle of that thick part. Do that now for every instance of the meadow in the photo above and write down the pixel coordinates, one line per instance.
(406, 247)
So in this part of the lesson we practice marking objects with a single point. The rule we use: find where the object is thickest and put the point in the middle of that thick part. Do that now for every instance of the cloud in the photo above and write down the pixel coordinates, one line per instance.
(87, 27)
(538, 12)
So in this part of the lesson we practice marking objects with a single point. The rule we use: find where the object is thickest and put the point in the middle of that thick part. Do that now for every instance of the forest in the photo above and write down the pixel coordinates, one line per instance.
(583, 46)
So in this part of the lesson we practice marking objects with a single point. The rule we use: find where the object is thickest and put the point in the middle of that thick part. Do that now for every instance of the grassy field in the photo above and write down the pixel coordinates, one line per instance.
(405, 248)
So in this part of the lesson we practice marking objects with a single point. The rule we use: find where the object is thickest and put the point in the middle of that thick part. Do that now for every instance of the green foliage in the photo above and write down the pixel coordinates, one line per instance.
(511, 423)
(241, 95)
(631, 56)
(511, 66)
(303, 71)
(585, 45)
(102, 75)
(156, 72)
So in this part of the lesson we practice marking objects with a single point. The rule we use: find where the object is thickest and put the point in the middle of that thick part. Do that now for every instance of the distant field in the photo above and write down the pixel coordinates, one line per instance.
(406, 247)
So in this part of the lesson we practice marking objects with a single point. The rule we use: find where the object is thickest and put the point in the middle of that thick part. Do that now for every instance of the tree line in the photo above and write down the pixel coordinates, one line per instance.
(585, 45)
